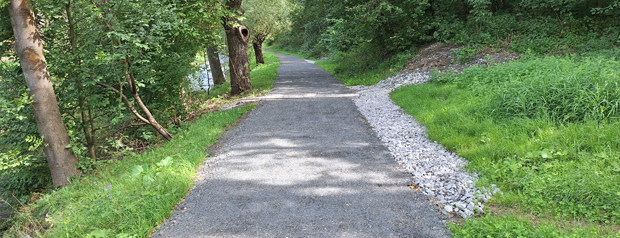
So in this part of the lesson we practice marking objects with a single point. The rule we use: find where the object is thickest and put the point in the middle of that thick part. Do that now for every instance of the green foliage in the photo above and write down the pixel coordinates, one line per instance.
(127, 197)
(336, 26)
(6, 32)
(94, 42)
(511, 226)
(386, 28)
(545, 165)
(361, 67)
(267, 17)
(23, 167)
(465, 54)
(561, 89)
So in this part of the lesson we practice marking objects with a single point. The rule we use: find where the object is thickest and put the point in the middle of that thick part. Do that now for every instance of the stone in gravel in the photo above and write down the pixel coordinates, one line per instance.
(437, 171)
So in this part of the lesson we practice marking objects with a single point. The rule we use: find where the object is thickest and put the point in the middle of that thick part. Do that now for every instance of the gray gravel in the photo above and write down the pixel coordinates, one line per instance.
(438, 172)
(304, 163)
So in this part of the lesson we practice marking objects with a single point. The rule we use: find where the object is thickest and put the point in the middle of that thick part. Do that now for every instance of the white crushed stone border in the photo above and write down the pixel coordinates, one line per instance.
(438, 172)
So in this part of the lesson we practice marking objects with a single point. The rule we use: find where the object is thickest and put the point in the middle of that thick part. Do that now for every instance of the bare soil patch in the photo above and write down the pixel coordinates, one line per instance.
(442, 57)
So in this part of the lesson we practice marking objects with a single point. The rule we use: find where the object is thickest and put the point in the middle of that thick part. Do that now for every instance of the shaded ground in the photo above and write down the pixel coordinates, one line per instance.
(304, 163)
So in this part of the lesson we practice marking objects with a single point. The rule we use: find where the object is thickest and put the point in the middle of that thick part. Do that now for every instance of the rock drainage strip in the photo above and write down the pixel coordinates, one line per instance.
(438, 172)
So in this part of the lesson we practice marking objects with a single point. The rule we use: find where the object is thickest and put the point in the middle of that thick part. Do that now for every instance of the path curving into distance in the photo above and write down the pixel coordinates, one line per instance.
(304, 163)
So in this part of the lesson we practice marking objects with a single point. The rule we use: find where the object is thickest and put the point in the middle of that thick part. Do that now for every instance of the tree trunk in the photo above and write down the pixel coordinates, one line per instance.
(87, 119)
(238, 37)
(29, 49)
(239, 63)
(258, 51)
(216, 66)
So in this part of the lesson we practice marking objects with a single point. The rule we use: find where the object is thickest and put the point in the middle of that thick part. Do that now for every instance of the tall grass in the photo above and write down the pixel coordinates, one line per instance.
(521, 127)
(563, 89)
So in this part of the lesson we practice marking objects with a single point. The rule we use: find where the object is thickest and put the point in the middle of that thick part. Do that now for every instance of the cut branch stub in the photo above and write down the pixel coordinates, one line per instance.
(244, 33)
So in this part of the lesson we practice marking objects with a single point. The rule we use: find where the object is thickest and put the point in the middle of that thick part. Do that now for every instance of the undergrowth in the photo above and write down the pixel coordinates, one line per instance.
(543, 129)
(128, 198)
(131, 197)
(363, 67)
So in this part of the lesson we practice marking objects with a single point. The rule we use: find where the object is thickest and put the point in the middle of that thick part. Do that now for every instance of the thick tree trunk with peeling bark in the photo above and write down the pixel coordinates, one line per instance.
(29, 48)
(216, 66)
(238, 37)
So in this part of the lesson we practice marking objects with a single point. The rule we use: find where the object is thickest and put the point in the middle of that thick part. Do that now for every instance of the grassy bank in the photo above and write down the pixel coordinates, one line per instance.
(131, 197)
(544, 130)
(263, 75)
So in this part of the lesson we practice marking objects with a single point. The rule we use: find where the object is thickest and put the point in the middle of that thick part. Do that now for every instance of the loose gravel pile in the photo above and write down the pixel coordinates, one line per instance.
(438, 172)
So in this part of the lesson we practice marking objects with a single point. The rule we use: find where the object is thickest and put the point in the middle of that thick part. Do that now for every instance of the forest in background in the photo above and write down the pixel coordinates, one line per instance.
(363, 36)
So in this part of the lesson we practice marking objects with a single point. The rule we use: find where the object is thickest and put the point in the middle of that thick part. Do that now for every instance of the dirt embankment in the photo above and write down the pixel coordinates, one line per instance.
(444, 57)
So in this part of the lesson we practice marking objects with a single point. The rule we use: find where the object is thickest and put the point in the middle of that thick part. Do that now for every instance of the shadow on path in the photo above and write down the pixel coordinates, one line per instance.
(304, 163)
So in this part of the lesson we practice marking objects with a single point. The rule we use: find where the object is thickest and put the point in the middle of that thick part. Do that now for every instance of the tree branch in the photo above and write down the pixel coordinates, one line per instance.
(133, 110)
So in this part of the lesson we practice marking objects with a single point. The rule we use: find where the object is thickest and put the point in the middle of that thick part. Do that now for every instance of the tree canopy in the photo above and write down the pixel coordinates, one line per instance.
(115, 66)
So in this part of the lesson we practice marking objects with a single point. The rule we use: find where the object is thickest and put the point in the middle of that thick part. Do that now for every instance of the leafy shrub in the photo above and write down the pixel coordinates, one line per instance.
(365, 66)
(23, 167)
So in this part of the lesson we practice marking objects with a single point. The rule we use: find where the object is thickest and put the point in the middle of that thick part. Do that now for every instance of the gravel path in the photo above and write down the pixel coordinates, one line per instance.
(304, 163)
(436, 171)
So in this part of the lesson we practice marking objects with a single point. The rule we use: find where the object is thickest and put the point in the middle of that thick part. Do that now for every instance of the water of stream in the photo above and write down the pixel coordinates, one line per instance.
(202, 79)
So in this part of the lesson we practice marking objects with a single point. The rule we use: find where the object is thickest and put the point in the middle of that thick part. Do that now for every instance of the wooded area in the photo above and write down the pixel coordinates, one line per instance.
(114, 67)
(364, 34)
(114, 75)
(84, 83)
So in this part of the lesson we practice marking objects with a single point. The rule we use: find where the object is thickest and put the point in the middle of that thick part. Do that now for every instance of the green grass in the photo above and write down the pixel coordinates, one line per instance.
(129, 198)
(285, 52)
(513, 226)
(547, 164)
(366, 77)
(262, 76)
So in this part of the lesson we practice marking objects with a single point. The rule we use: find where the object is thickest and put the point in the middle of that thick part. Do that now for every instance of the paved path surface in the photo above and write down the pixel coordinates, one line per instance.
(303, 164)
